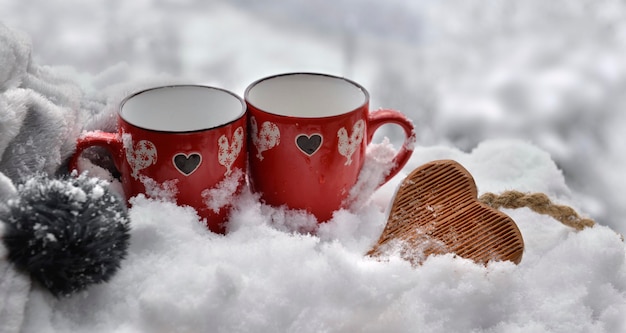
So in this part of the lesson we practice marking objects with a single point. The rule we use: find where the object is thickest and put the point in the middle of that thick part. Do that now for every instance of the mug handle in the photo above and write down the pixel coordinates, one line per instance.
(387, 116)
(109, 141)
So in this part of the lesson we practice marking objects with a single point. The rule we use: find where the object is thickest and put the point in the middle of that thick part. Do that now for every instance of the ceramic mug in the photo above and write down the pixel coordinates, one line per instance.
(307, 139)
(184, 143)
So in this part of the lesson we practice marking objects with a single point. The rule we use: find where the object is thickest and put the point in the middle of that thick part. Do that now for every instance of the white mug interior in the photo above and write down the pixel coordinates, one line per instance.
(306, 95)
(182, 108)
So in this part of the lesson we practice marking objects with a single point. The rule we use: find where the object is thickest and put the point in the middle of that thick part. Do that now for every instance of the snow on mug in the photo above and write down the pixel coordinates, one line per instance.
(307, 139)
(183, 143)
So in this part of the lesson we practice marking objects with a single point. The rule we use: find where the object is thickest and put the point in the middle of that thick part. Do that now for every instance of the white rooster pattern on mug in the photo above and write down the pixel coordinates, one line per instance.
(139, 155)
(265, 138)
(349, 144)
(229, 151)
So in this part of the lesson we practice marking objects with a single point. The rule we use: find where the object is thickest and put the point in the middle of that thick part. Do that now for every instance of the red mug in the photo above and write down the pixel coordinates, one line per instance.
(184, 143)
(307, 139)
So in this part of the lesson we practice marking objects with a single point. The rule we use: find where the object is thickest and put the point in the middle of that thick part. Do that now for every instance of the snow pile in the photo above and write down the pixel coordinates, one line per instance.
(262, 277)
(473, 71)
(224, 192)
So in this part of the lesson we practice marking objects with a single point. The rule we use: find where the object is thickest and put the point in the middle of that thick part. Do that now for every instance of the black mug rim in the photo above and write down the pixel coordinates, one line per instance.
(365, 103)
(142, 91)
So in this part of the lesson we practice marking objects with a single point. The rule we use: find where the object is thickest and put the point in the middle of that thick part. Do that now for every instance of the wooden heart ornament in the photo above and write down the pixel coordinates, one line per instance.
(436, 211)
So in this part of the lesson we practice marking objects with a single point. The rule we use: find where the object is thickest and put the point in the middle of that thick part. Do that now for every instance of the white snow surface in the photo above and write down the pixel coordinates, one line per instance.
(547, 74)
(263, 277)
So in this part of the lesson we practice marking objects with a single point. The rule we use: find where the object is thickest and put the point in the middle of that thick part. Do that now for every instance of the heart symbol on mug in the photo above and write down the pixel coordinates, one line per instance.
(309, 144)
(436, 211)
(348, 145)
(228, 152)
(187, 164)
(267, 138)
(140, 155)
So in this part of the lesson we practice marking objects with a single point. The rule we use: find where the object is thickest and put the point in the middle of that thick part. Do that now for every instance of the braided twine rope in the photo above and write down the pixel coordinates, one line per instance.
(539, 203)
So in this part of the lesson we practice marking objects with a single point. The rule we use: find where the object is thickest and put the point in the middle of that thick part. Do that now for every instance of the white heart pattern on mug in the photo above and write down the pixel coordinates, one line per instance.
(229, 151)
(266, 139)
(348, 145)
(140, 155)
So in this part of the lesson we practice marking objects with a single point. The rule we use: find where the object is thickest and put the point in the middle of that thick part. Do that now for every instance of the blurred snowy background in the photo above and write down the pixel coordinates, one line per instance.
(549, 72)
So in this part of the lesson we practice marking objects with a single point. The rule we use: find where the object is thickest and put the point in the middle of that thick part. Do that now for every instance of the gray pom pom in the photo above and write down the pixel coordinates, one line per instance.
(67, 233)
